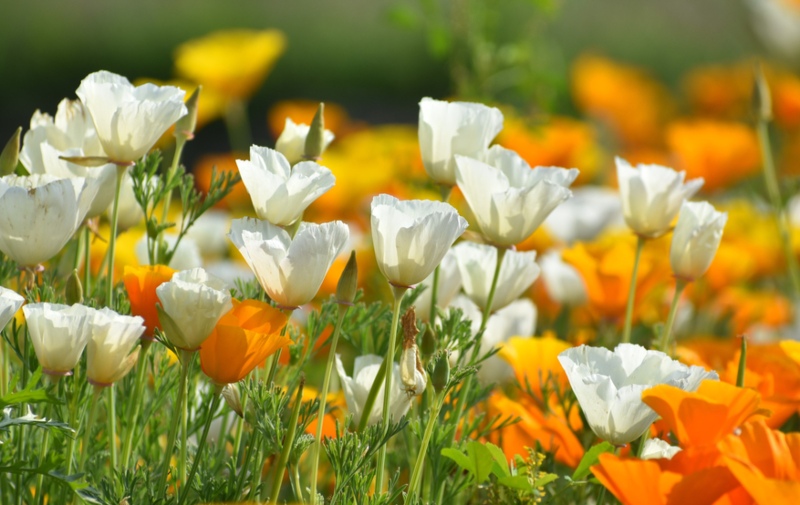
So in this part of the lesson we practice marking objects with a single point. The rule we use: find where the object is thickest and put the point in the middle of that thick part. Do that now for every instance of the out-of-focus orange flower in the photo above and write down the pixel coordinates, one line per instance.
(722, 153)
(141, 283)
(535, 360)
(606, 266)
(238, 198)
(720, 91)
(786, 101)
(708, 352)
(336, 408)
(748, 308)
(629, 101)
(124, 252)
(302, 112)
(561, 142)
(233, 63)
(242, 339)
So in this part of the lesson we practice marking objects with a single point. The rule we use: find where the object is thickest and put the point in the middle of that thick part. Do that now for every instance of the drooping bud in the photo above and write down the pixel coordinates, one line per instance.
(428, 344)
(348, 282)
(315, 140)
(762, 100)
(9, 158)
(412, 372)
(74, 289)
(231, 395)
(186, 125)
(440, 374)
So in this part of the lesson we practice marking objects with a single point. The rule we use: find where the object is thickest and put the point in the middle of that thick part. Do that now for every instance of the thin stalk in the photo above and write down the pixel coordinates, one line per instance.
(626, 331)
(398, 292)
(238, 126)
(288, 441)
(667, 333)
(180, 141)
(187, 357)
(112, 239)
(87, 434)
(371, 396)
(642, 441)
(742, 364)
(134, 404)
(434, 293)
(419, 464)
(73, 418)
(323, 398)
(87, 260)
(200, 446)
(5, 370)
(273, 367)
(173, 429)
(255, 442)
(111, 416)
(237, 439)
(294, 475)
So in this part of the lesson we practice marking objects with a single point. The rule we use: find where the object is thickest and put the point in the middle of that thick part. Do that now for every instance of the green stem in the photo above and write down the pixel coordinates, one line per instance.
(173, 429)
(371, 396)
(323, 398)
(73, 418)
(5, 370)
(87, 261)
(642, 441)
(742, 363)
(667, 333)
(434, 293)
(288, 442)
(111, 416)
(186, 356)
(252, 447)
(238, 126)
(201, 445)
(626, 331)
(398, 292)
(419, 464)
(180, 141)
(134, 404)
(112, 239)
(87, 434)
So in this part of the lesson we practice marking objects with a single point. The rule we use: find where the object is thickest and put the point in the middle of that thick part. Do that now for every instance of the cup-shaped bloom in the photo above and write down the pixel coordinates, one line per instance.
(652, 196)
(40, 213)
(508, 199)
(10, 302)
(59, 333)
(241, 340)
(108, 354)
(696, 239)
(129, 120)
(609, 386)
(411, 237)
(448, 287)
(477, 262)
(356, 389)
(292, 141)
(141, 283)
(290, 270)
(450, 128)
(280, 193)
(192, 302)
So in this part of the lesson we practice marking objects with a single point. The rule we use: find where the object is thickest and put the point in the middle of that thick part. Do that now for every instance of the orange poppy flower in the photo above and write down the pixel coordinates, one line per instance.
(748, 308)
(141, 283)
(242, 339)
(534, 360)
(720, 91)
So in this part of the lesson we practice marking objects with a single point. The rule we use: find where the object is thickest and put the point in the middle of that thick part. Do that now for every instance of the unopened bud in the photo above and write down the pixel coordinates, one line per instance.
(440, 375)
(348, 282)
(411, 371)
(231, 395)
(428, 344)
(762, 100)
(74, 289)
(9, 158)
(186, 125)
(315, 140)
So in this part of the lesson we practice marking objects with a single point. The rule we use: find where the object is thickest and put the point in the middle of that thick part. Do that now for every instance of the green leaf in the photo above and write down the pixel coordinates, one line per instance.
(520, 482)
(482, 460)
(460, 459)
(545, 479)
(590, 458)
(500, 468)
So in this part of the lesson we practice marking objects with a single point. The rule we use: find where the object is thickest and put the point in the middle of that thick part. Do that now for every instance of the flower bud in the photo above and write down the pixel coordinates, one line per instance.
(231, 395)
(428, 344)
(74, 289)
(315, 140)
(440, 374)
(411, 371)
(696, 239)
(186, 125)
(762, 100)
(9, 158)
(348, 282)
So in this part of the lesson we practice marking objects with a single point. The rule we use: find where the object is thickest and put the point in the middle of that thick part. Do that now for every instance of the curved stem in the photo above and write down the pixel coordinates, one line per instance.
(135, 404)
(288, 442)
(667, 333)
(111, 416)
(200, 446)
(371, 396)
(187, 357)
(87, 434)
(626, 331)
(419, 464)
(112, 239)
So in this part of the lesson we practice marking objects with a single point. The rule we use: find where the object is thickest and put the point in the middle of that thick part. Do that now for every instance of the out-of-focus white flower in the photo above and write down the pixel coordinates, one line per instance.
(59, 333)
(229, 271)
(609, 386)
(280, 193)
(40, 213)
(655, 448)
(448, 287)
(584, 216)
(129, 120)
(10, 302)
(108, 354)
(130, 212)
(562, 281)
(450, 128)
(508, 199)
(71, 133)
(209, 233)
(290, 270)
(696, 239)
(652, 196)
(777, 24)
(193, 301)
(477, 262)
(292, 142)
(411, 237)
(356, 389)
(186, 257)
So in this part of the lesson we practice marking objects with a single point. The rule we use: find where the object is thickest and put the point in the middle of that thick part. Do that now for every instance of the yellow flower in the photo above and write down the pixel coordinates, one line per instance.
(233, 63)
(210, 105)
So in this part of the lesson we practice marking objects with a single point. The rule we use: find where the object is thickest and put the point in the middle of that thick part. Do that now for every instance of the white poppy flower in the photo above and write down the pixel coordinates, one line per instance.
(508, 199)
(280, 193)
(655, 448)
(108, 354)
(209, 233)
(59, 333)
(448, 287)
(477, 263)
(450, 128)
(696, 239)
(562, 281)
(356, 389)
(40, 213)
(193, 301)
(652, 195)
(292, 141)
(129, 120)
(584, 216)
(10, 302)
(290, 270)
(411, 237)
(609, 386)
